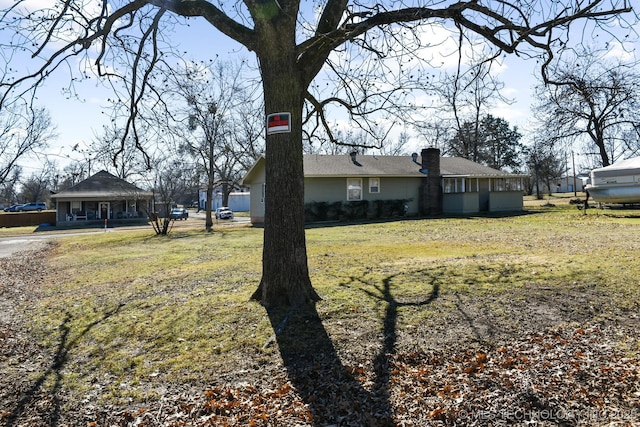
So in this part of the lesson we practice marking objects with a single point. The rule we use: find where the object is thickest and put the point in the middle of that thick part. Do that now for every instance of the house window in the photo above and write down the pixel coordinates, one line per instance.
(453, 185)
(354, 189)
(460, 185)
(506, 184)
(263, 189)
(374, 185)
(76, 206)
(472, 185)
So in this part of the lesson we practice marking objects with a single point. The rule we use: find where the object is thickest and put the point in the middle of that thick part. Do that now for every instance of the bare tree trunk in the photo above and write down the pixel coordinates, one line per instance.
(225, 193)
(210, 182)
(207, 212)
(285, 274)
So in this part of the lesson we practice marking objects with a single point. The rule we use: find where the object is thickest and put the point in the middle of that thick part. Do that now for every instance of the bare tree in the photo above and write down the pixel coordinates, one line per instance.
(107, 153)
(464, 98)
(249, 135)
(37, 187)
(296, 44)
(399, 146)
(209, 103)
(436, 132)
(168, 178)
(545, 164)
(23, 131)
(9, 188)
(594, 101)
(377, 139)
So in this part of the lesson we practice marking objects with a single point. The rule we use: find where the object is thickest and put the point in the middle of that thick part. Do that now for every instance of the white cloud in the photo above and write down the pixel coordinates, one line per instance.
(621, 51)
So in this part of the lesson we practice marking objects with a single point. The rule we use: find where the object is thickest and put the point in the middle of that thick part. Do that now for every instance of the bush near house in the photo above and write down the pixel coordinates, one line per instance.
(349, 211)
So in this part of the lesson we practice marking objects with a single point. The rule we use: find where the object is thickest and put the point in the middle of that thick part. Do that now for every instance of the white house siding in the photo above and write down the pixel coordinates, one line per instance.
(256, 202)
(240, 201)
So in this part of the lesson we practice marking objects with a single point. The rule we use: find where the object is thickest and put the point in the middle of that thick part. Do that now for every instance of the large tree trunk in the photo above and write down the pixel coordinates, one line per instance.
(285, 274)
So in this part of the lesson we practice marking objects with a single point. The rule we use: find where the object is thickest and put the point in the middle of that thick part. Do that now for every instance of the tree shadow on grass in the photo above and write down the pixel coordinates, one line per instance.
(332, 391)
(39, 389)
(482, 328)
(381, 363)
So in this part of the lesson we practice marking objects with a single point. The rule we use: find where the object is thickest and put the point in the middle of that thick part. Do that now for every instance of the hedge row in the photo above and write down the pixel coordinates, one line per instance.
(349, 211)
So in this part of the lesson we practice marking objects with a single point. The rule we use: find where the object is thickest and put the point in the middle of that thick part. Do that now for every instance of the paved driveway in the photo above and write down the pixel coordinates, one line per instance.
(13, 244)
(10, 245)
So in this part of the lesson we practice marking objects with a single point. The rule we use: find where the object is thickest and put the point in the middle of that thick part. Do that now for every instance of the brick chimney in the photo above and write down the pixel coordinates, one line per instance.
(430, 198)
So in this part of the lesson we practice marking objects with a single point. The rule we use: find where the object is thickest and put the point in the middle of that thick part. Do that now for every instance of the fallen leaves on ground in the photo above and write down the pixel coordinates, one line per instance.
(574, 374)
(569, 376)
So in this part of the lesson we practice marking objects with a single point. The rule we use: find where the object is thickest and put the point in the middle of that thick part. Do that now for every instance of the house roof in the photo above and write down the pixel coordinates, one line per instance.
(103, 185)
(320, 165)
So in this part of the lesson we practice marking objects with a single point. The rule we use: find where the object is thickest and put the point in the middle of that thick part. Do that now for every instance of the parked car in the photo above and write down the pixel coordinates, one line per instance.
(12, 208)
(39, 206)
(224, 213)
(179, 213)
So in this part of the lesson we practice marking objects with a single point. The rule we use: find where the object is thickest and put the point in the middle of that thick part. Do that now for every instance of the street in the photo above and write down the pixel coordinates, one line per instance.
(13, 244)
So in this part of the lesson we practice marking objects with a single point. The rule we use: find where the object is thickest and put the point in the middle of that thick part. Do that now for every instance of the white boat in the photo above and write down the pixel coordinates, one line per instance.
(616, 184)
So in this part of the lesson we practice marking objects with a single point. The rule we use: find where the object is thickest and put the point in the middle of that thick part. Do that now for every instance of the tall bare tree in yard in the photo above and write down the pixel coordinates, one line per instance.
(594, 101)
(294, 42)
(465, 97)
(168, 183)
(9, 188)
(209, 103)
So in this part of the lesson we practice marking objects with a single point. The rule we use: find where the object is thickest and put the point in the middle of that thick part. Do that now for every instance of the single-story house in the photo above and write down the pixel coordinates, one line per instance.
(100, 197)
(423, 185)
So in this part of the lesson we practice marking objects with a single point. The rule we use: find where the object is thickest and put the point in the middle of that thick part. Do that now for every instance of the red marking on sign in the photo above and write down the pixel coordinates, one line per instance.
(278, 123)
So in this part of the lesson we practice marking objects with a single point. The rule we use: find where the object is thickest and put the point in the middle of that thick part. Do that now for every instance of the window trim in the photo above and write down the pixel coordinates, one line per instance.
(377, 187)
(506, 184)
(349, 181)
(459, 185)
(75, 206)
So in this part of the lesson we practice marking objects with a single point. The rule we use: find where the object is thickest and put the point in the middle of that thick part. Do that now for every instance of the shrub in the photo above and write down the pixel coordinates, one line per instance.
(357, 210)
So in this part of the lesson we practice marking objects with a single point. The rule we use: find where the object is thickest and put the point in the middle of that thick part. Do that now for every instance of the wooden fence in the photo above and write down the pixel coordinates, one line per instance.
(25, 219)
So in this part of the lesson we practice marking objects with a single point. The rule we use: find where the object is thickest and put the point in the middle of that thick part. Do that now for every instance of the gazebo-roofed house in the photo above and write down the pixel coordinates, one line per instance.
(102, 196)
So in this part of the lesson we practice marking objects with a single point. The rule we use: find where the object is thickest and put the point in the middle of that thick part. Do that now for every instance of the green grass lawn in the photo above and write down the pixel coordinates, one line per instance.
(139, 308)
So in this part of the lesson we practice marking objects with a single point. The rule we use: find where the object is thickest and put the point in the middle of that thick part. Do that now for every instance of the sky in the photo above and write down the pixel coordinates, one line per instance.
(80, 121)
